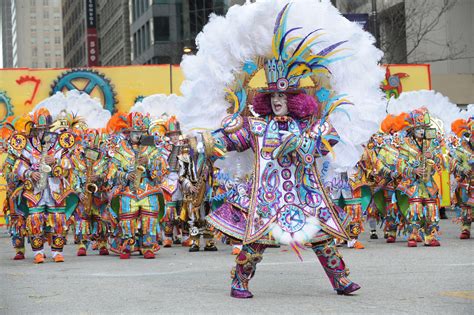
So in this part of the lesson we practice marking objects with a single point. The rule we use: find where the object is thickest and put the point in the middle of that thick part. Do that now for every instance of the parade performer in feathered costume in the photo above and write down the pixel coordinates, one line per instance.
(45, 173)
(16, 222)
(420, 157)
(172, 185)
(162, 110)
(461, 165)
(139, 170)
(422, 163)
(93, 219)
(196, 176)
(288, 203)
(383, 151)
(84, 117)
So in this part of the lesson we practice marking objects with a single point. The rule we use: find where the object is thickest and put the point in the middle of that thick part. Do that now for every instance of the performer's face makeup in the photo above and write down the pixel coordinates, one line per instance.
(135, 137)
(419, 133)
(279, 104)
(174, 137)
(39, 133)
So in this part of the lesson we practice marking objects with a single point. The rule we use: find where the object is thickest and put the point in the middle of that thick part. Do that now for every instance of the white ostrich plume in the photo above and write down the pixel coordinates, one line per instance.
(79, 104)
(246, 32)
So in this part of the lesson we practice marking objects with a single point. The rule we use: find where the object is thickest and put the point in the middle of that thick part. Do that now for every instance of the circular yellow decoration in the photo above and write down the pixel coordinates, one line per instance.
(66, 140)
(59, 242)
(57, 171)
(18, 142)
(37, 243)
(28, 185)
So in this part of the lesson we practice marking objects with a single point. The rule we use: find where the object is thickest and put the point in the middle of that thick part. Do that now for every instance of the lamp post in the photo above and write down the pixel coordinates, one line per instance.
(374, 25)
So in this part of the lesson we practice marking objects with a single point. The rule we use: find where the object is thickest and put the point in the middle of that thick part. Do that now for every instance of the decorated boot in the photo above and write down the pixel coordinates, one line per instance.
(194, 246)
(335, 268)
(247, 261)
(20, 255)
(210, 246)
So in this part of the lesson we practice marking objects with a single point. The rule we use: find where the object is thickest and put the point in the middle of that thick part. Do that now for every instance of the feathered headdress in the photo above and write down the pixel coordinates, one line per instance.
(292, 57)
(68, 121)
(7, 128)
(462, 126)
(419, 117)
(392, 123)
(440, 108)
(117, 123)
(173, 126)
(138, 121)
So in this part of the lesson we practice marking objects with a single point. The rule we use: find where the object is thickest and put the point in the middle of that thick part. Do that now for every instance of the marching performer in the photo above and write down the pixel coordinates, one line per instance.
(461, 165)
(138, 202)
(44, 170)
(15, 221)
(289, 134)
(175, 216)
(93, 220)
(196, 176)
(420, 157)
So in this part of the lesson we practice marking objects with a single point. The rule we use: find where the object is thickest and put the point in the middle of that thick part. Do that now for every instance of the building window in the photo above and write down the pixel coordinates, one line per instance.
(161, 27)
(57, 40)
(46, 14)
(135, 45)
(45, 2)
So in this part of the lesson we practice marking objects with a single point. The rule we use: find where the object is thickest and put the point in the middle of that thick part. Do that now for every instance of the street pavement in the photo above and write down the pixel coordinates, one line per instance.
(395, 279)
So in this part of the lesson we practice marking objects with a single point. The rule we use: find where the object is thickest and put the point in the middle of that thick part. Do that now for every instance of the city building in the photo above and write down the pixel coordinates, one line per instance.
(36, 34)
(6, 24)
(114, 34)
(161, 31)
(436, 32)
(81, 39)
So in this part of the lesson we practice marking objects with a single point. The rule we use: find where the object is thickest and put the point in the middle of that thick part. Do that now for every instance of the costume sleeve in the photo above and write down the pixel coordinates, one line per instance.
(316, 141)
(234, 139)
(22, 168)
(386, 161)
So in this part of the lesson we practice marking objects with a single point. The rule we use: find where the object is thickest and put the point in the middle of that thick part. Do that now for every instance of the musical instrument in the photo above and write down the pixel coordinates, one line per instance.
(44, 168)
(90, 189)
(426, 164)
(139, 171)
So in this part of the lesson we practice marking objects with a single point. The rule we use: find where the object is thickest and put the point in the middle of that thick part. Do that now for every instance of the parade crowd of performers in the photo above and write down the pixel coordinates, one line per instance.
(139, 183)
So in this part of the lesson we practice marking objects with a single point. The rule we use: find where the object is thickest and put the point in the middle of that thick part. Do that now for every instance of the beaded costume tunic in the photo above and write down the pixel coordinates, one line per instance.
(287, 197)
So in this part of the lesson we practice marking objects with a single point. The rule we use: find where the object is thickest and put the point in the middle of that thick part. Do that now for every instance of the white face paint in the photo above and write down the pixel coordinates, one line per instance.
(174, 137)
(419, 133)
(279, 104)
(135, 137)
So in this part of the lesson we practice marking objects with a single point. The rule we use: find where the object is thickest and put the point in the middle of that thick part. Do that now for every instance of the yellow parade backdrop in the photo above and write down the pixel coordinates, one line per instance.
(118, 88)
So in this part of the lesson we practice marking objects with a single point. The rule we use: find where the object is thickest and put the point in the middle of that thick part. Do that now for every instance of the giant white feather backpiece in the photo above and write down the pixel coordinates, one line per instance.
(437, 104)
(158, 104)
(79, 104)
(227, 43)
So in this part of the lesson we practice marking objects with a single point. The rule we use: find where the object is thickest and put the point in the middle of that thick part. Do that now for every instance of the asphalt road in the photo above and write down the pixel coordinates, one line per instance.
(395, 279)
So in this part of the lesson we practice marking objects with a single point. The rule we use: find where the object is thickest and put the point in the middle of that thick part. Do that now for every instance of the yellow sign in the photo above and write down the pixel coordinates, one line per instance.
(116, 87)
(406, 78)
